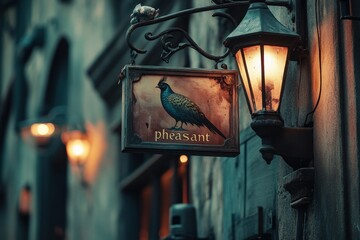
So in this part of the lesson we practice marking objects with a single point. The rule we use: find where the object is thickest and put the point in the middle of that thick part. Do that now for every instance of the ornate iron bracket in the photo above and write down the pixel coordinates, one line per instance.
(170, 47)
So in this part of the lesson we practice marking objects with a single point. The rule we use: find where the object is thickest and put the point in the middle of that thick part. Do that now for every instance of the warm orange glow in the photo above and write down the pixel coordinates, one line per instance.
(145, 213)
(25, 201)
(165, 181)
(78, 150)
(42, 129)
(96, 134)
(183, 159)
(77, 147)
(38, 133)
(274, 65)
(244, 78)
(275, 60)
(96, 143)
(183, 175)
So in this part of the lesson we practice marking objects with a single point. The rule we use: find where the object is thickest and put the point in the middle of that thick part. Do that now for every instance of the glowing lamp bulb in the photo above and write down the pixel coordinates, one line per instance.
(183, 159)
(42, 129)
(77, 150)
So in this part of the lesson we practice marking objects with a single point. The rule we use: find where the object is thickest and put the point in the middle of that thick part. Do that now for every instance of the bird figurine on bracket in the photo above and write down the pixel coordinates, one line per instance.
(143, 13)
(183, 110)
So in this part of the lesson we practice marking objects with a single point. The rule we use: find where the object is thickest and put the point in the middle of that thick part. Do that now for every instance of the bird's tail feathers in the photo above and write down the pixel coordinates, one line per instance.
(212, 128)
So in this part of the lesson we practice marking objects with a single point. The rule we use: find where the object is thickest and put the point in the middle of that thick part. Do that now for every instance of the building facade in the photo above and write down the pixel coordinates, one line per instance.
(62, 59)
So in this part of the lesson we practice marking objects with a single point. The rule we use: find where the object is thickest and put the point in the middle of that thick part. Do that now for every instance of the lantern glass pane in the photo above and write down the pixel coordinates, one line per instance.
(274, 61)
(253, 65)
(244, 79)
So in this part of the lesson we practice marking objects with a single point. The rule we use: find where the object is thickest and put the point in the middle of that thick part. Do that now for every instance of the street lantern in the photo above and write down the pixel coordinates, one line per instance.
(40, 131)
(262, 45)
(77, 147)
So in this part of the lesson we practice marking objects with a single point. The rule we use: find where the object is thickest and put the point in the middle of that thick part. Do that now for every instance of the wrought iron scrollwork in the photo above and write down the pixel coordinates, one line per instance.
(170, 47)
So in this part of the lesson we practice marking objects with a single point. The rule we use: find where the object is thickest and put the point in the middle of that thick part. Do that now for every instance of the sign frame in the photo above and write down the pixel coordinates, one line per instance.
(228, 81)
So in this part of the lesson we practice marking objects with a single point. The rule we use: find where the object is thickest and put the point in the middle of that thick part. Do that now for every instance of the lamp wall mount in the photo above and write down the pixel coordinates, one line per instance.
(293, 144)
(300, 185)
(166, 37)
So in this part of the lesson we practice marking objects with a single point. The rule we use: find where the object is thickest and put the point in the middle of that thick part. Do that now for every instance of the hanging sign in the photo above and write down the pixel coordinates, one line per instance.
(184, 110)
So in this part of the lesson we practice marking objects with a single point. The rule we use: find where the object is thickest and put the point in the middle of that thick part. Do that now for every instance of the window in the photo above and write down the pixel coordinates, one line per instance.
(158, 183)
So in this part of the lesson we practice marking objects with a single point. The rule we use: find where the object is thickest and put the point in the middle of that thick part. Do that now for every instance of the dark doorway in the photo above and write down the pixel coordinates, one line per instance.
(52, 166)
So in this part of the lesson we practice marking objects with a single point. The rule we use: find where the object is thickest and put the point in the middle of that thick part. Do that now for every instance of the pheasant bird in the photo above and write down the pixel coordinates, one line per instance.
(183, 110)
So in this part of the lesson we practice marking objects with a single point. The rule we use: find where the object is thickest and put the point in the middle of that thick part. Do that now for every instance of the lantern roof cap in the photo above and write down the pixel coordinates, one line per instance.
(259, 26)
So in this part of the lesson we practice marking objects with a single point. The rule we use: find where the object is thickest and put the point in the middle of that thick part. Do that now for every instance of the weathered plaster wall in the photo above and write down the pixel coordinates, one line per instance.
(328, 210)
(350, 85)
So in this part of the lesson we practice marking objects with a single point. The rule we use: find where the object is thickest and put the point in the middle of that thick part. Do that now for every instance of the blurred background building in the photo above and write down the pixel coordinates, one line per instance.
(60, 59)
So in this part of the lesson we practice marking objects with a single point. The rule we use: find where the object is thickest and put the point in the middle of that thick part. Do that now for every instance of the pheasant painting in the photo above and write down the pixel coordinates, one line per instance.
(183, 110)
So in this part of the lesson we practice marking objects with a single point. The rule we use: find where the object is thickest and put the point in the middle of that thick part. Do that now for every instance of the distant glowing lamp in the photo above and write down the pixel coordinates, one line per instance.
(183, 159)
(42, 129)
(39, 132)
(77, 147)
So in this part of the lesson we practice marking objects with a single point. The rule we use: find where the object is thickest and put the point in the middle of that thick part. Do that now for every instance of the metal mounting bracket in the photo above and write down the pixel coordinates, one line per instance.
(300, 185)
